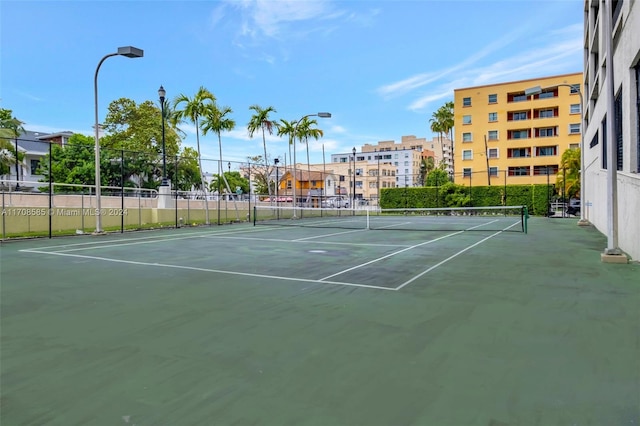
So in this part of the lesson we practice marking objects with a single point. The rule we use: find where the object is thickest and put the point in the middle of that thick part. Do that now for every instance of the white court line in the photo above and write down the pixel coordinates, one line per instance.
(453, 256)
(389, 255)
(219, 271)
(304, 240)
(93, 245)
(329, 235)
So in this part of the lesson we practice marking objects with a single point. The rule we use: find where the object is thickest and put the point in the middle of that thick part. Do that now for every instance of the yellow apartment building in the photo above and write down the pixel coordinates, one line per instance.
(515, 133)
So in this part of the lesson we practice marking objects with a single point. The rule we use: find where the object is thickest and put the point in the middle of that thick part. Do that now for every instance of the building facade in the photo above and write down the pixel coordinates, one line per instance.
(515, 133)
(611, 154)
(387, 164)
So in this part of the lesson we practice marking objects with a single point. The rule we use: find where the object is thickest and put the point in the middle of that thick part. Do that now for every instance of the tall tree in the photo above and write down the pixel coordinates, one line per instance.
(188, 170)
(568, 179)
(192, 110)
(437, 127)
(305, 130)
(216, 120)
(134, 131)
(288, 128)
(260, 120)
(10, 128)
(442, 122)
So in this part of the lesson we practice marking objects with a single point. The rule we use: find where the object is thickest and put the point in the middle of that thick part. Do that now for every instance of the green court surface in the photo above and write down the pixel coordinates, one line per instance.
(268, 325)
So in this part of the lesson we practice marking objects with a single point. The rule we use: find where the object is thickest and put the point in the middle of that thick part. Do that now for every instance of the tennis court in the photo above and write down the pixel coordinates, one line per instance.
(343, 325)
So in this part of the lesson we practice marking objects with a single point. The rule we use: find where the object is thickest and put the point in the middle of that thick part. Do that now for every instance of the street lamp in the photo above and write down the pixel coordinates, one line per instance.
(161, 94)
(353, 205)
(276, 161)
(18, 168)
(295, 132)
(129, 52)
(536, 91)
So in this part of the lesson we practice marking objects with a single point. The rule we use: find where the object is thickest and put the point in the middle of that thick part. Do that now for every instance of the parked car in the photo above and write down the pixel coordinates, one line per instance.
(335, 202)
(574, 207)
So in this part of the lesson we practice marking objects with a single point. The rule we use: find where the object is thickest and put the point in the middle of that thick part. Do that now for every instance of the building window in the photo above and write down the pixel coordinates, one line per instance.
(466, 119)
(288, 184)
(467, 154)
(493, 98)
(518, 115)
(574, 128)
(519, 171)
(493, 116)
(466, 172)
(575, 88)
(493, 171)
(466, 102)
(493, 135)
(545, 113)
(518, 134)
(517, 97)
(518, 152)
(574, 109)
(544, 170)
(604, 143)
(546, 95)
(466, 137)
(493, 153)
(637, 71)
(34, 166)
(546, 132)
(544, 151)
(618, 112)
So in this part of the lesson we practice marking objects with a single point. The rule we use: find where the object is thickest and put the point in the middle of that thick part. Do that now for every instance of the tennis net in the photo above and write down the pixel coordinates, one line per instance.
(494, 218)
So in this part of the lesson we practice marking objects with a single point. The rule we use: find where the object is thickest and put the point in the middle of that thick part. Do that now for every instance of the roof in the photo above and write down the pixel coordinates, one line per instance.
(31, 142)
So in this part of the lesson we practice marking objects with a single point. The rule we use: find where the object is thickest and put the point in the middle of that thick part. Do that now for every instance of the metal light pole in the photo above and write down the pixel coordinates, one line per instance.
(161, 94)
(17, 167)
(129, 52)
(353, 151)
(548, 199)
(276, 161)
(295, 132)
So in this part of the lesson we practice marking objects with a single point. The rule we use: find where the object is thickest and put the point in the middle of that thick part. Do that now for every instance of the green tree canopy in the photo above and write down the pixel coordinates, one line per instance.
(10, 129)
(437, 177)
(568, 178)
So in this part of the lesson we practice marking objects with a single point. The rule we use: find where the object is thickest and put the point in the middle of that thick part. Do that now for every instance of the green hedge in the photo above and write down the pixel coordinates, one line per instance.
(452, 195)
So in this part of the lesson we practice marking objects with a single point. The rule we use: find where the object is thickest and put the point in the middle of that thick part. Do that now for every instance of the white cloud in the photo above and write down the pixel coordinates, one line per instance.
(552, 55)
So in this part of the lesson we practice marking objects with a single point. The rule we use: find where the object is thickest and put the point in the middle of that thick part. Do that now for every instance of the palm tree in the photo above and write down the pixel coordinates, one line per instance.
(260, 120)
(288, 128)
(10, 128)
(446, 117)
(568, 179)
(437, 127)
(215, 120)
(304, 132)
(193, 109)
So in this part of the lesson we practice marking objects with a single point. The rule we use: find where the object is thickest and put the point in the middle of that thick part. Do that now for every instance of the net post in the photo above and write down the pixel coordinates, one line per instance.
(525, 216)
(254, 215)
(368, 225)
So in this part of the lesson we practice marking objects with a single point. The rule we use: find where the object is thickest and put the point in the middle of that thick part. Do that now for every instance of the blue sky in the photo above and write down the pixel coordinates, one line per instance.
(380, 67)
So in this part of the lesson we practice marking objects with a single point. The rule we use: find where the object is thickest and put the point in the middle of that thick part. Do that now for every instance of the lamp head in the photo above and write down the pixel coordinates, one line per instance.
(533, 91)
(161, 93)
(324, 114)
(130, 52)
(354, 150)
